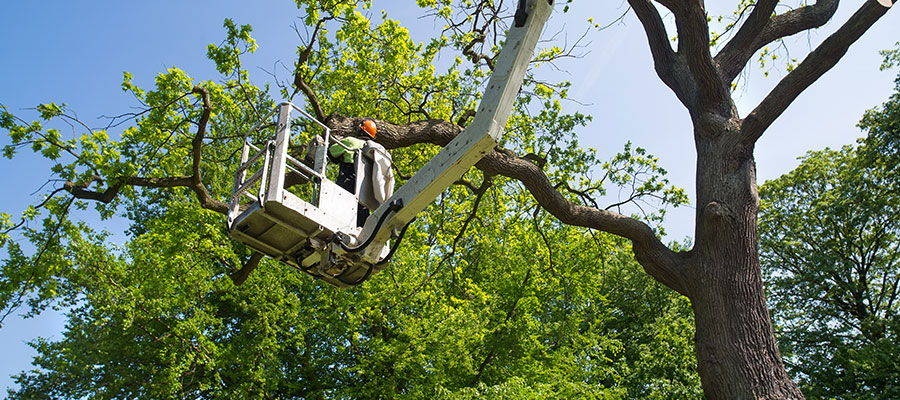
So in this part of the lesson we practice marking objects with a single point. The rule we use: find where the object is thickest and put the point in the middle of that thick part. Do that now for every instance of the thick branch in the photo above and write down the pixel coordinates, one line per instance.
(657, 259)
(464, 118)
(693, 44)
(310, 95)
(193, 182)
(239, 276)
(475, 57)
(822, 59)
(660, 49)
(206, 201)
(81, 191)
(737, 52)
(761, 28)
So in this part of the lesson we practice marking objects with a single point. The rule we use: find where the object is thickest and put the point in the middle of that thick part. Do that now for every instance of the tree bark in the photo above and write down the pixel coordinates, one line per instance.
(737, 354)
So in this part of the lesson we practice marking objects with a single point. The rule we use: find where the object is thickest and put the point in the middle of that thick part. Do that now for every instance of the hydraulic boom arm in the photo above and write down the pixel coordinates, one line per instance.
(479, 138)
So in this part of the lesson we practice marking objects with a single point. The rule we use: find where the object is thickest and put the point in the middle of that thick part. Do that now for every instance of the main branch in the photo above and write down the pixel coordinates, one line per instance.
(657, 259)
(693, 45)
(822, 59)
(194, 182)
(660, 49)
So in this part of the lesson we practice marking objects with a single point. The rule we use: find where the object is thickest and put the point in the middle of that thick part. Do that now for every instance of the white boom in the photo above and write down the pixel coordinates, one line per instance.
(479, 138)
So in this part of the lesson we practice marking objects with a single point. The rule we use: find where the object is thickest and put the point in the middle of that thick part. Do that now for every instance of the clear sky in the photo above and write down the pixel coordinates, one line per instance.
(75, 53)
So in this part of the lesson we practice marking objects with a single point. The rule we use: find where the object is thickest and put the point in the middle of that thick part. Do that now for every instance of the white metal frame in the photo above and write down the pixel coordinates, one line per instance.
(280, 224)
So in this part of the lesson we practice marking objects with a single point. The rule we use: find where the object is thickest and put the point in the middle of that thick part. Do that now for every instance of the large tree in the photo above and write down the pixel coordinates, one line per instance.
(736, 352)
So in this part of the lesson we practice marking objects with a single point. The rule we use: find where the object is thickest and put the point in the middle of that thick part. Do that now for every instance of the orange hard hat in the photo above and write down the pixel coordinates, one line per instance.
(368, 126)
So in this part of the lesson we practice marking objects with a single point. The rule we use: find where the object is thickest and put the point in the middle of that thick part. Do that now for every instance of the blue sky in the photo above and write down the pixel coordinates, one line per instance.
(75, 53)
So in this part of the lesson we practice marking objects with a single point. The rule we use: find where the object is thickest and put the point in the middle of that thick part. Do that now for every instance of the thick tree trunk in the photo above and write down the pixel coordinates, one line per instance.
(736, 350)
(735, 344)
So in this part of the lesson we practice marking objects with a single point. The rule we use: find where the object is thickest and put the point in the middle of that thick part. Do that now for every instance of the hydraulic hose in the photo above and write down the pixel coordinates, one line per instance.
(395, 205)
(396, 245)
(383, 261)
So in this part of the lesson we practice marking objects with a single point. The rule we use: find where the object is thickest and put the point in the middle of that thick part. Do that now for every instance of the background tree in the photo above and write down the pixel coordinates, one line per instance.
(829, 244)
(736, 352)
(829, 249)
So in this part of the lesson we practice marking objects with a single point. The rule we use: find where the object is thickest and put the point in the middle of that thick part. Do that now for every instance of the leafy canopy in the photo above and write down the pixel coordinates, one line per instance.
(488, 296)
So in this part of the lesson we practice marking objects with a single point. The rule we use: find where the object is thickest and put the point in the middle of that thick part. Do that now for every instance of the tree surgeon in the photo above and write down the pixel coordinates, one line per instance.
(344, 152)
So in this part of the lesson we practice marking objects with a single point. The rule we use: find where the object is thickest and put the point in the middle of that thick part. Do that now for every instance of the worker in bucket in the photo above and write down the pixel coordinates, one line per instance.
(379, 180)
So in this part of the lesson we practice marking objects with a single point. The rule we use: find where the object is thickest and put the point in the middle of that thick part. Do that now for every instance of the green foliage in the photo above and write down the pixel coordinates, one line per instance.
(730, 21)
(882, 144)
(47, 142)
(830, 243)
(891, 57)
(488, 296)
(237, 42)
(509, 316)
